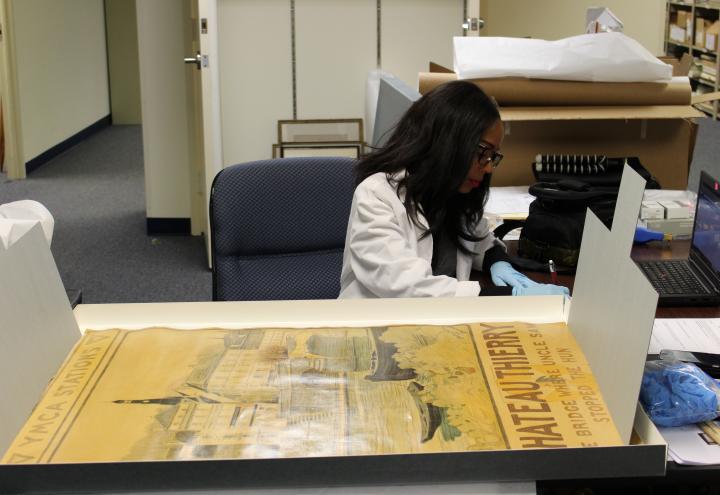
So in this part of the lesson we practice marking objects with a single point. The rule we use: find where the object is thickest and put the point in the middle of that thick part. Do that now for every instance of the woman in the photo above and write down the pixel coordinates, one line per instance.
(416, 224)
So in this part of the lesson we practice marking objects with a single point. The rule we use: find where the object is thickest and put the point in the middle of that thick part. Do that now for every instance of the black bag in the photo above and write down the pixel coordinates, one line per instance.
(554, 226)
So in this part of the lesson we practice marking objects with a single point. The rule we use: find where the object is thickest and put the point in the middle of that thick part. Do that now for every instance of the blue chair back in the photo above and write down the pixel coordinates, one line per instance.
(278, 228)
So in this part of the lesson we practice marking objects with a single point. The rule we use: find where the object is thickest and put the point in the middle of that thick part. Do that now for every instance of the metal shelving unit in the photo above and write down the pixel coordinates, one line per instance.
(702, 81)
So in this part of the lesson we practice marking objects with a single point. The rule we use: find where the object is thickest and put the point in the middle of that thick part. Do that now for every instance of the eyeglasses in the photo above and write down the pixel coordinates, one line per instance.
(487, 155)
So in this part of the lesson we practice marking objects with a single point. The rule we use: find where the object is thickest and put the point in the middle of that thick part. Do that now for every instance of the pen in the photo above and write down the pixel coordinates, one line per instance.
(553, 273)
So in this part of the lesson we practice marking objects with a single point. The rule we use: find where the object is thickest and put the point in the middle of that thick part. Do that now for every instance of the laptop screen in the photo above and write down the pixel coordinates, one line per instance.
(706, 234)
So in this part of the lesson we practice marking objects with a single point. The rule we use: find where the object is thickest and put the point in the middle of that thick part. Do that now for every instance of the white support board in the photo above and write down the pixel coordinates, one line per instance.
(37, 328)
(319, 313)
(613, 305)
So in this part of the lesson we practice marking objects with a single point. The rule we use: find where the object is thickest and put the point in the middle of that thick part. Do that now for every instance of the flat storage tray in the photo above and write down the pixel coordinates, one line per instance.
(508, 465)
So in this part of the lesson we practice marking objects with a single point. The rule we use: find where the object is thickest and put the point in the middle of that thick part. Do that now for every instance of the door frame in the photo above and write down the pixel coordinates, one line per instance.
(10, 95)
(207, 114)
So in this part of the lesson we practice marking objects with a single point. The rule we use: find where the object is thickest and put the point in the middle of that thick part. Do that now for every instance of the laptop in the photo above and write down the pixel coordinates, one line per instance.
(694, 281)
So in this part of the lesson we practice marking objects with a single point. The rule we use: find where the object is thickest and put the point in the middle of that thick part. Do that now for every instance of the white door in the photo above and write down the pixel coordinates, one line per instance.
(204, 110)
(180, 109)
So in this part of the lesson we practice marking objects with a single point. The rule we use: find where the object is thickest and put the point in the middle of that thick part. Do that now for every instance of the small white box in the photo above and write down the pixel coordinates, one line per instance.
(675, 209)
(677, 33)
(679, 228)
(651, 210)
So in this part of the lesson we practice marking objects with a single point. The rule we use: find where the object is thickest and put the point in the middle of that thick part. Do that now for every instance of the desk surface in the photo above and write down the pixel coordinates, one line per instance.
(651, 251)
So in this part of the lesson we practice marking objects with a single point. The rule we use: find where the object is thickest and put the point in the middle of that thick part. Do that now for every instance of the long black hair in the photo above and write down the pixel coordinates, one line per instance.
(435, 144)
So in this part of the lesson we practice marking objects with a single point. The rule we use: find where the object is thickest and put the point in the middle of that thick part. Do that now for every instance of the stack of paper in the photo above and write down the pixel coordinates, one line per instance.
(686, 334)
(694, 444)
(508, 203)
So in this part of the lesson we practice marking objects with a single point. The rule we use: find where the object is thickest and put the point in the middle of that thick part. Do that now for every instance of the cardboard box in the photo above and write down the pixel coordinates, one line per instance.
(675, 209)
(680, 228)
(683, 26)
(677, 33)
(680, 66)
(701, 26)
(612, 123)
(681, 17)
(41, 330)
(712, 32)
(663, 139)
(651, 210)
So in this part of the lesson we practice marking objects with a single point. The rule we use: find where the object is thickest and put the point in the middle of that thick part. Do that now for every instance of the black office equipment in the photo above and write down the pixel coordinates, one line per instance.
(694, 281)
(594, 170)
(394, 99)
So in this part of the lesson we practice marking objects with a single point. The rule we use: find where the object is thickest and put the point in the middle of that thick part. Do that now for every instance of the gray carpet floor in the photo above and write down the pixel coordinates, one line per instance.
(95, 191)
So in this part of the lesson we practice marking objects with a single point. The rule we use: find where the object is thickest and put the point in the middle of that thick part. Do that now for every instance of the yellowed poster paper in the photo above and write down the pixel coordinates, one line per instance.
(158, 394)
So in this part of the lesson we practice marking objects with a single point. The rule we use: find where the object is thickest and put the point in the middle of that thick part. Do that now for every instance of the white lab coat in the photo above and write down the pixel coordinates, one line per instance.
(385, 257)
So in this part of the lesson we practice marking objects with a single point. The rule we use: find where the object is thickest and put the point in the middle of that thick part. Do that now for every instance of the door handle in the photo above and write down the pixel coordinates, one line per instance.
(197, 60)
(473, 24)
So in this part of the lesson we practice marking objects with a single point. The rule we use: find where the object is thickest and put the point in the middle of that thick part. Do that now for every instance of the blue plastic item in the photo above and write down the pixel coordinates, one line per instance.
(643, 235)
(677, 394)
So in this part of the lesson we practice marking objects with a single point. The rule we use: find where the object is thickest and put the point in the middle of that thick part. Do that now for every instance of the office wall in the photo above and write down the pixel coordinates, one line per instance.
(336, 48)
(123, 65)
(413, 38)
(61, 69)
(163, 89)
(554, 19)
(255, 75)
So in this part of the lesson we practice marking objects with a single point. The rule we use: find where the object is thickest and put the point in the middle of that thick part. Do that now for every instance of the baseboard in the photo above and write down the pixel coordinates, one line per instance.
(168, 226)
(48, 155)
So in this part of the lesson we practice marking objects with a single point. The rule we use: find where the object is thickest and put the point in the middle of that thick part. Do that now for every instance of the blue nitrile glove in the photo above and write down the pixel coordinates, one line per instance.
(502, 273)
(541, 290)
(677, 394)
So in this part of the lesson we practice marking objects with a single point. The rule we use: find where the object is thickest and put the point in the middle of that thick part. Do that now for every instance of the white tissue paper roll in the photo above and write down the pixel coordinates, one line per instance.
(18, 217)
(601, 57)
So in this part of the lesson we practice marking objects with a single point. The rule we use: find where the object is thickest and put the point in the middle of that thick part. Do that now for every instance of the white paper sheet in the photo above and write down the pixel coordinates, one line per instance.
(511, 201)
(686, 334)
(670, 195)
(689, 445)
(609, 57)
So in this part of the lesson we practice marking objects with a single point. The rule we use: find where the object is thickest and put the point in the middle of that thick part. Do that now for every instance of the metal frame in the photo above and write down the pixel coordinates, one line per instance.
(359, 122)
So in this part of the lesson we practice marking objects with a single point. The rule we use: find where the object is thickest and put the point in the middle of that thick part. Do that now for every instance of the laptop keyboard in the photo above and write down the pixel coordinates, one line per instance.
(672, 277)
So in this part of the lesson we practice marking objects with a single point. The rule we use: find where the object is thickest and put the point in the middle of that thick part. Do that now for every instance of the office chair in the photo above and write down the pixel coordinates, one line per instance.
(278, 228)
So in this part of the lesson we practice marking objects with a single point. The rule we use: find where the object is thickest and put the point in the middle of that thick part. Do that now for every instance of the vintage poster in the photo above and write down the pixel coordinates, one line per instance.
(159, 394)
